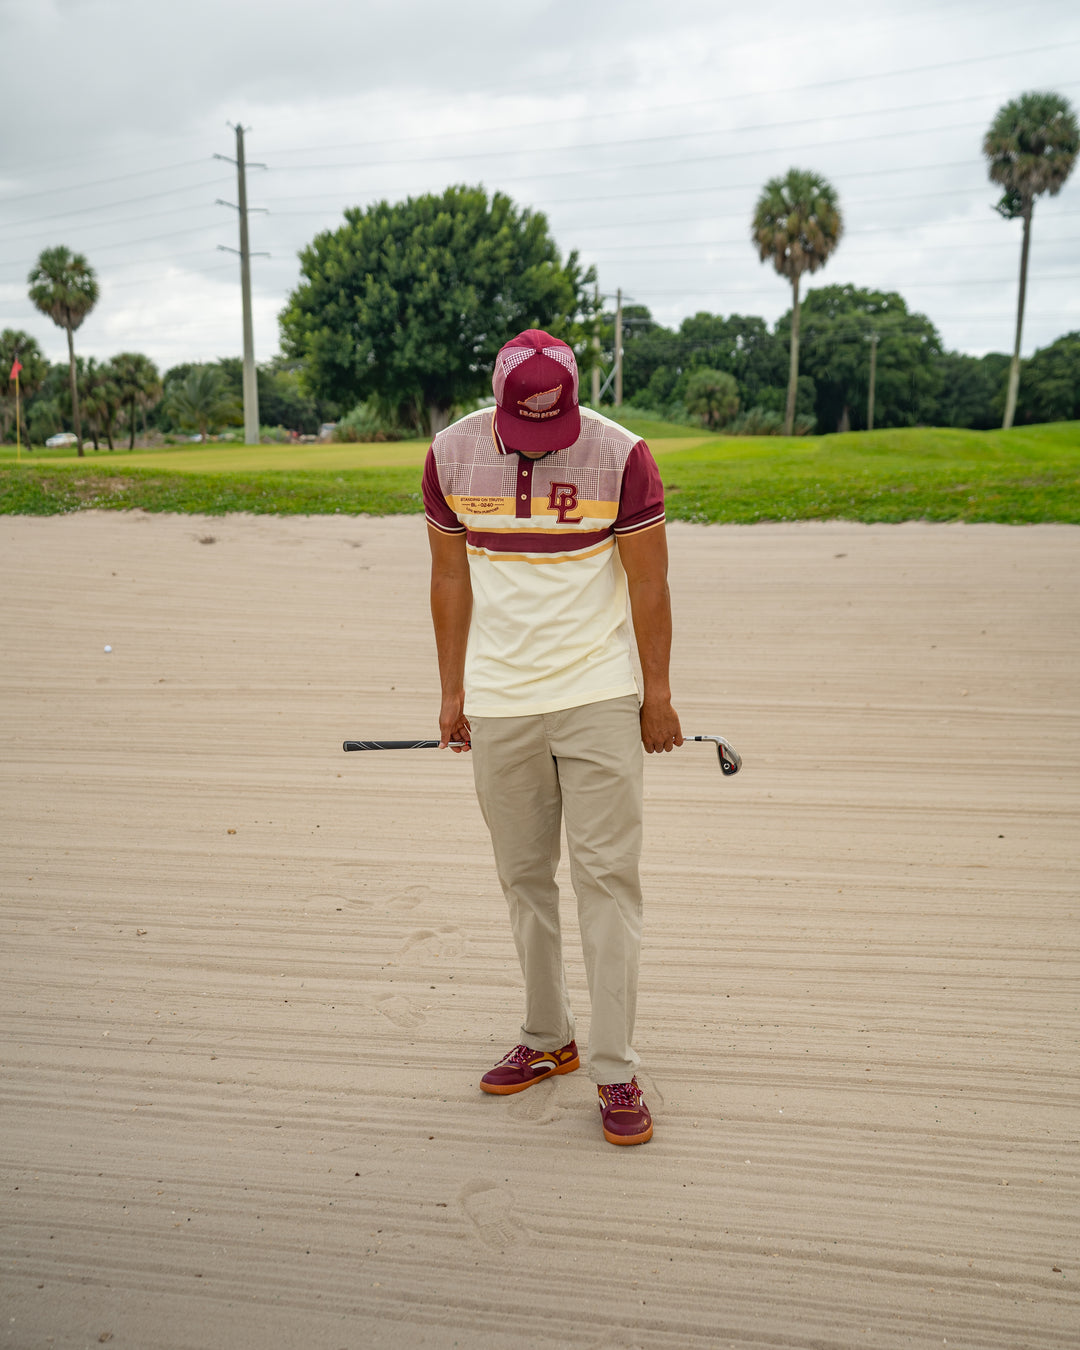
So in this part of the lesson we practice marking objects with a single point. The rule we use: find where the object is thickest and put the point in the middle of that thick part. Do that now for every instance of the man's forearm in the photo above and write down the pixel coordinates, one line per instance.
(451, 611)
(650, 609)
(644, 559)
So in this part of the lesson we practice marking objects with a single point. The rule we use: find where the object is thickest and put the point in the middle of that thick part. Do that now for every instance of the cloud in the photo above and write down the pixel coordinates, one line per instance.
(643, 131)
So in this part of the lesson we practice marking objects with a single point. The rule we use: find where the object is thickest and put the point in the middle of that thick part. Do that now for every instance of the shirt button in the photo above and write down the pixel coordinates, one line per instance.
(524, 496)
(524, 473)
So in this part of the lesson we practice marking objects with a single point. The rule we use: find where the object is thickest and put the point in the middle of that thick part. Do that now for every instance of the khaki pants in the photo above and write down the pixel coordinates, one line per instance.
(584, 764)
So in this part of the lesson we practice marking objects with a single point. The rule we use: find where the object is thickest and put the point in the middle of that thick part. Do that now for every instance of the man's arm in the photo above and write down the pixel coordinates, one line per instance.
(451, 610)
(644, 559)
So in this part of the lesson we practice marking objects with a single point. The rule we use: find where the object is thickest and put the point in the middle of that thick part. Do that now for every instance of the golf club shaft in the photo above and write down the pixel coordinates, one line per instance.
(730, 759)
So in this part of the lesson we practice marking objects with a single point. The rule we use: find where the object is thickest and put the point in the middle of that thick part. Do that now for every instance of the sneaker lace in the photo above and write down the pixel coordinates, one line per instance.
(623, 1094)
(521, 1054)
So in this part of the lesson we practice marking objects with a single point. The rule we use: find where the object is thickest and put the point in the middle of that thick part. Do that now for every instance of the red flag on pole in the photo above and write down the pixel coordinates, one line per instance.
(16, 366)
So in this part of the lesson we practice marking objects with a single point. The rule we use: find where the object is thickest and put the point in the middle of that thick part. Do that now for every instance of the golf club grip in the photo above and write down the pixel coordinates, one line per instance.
(394, 745)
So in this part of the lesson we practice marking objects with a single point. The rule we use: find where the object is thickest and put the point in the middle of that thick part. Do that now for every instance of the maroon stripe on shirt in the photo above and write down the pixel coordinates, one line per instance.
(521, 541)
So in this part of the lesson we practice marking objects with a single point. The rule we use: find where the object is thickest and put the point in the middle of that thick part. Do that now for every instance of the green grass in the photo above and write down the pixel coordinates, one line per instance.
(1029, 474)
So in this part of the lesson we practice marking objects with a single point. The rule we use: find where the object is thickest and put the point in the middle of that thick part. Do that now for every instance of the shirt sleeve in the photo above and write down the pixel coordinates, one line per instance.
(641, 505)
(436, 507)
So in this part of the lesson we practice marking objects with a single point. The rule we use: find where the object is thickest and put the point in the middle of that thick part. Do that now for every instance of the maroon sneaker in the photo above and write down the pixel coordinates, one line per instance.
(624, 1115)
(523, 1067)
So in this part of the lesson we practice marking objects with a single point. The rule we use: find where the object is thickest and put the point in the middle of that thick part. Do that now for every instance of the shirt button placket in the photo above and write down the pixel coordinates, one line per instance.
(524, 504)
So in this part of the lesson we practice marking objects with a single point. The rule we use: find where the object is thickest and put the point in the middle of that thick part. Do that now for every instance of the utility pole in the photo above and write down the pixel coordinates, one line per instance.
(251, 386)
(618, 348)
(873, 377)
(596, 353)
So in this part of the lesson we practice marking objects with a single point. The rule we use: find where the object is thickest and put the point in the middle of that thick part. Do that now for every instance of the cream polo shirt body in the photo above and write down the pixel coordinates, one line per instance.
(550, 623)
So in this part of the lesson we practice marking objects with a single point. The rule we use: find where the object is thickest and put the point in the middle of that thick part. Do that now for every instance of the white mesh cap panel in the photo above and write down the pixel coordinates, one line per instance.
(505, 362)
(565, 358)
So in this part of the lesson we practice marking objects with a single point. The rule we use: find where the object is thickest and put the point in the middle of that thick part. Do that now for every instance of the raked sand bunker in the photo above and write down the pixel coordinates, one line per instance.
(250, 983)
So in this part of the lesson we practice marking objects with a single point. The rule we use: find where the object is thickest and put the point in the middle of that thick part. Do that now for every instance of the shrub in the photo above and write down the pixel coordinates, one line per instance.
(712, 395)
(367, 423)
(766, 422)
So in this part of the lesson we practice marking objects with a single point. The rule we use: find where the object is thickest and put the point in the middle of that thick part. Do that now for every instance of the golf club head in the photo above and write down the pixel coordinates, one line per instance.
(730, 759)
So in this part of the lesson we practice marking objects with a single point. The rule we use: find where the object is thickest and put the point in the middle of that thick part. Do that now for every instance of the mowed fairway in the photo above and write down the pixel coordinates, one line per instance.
(1026, 475)
(251, 982)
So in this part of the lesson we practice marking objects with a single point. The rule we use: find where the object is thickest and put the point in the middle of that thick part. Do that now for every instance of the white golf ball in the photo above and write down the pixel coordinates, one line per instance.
(108, 649)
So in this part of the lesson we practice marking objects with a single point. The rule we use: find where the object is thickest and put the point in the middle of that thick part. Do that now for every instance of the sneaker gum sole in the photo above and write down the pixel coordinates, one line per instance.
(505, 1089)
(642, 1138)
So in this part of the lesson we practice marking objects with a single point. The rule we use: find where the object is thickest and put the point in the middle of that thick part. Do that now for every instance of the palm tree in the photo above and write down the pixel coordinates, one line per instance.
(63, 286)
(201, 400)
(101, 401)
(15, 345)
(1032, 146)
(796, 226)
(138, 385)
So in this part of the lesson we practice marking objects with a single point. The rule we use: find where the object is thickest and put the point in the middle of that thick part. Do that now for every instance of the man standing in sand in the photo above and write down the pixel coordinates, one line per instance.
(542, 519)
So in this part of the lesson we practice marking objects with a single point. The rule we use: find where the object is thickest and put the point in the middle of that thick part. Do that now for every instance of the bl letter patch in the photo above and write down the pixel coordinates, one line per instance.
(563, 499)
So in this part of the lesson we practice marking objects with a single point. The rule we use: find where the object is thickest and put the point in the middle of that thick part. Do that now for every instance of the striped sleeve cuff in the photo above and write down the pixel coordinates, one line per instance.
(443, 529)
(640, 525)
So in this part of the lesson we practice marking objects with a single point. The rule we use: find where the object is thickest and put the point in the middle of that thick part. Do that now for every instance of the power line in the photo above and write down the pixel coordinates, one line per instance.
(717, 132)
(130, 201)
(860, 114)
(548, 122)
(891, 285)
(103, 182)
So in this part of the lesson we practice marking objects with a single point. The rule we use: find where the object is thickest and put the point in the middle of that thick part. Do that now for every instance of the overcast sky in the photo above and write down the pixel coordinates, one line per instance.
(643, 130)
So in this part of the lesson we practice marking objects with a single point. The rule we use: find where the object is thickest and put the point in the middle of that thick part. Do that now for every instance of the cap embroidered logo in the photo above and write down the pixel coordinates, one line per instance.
(542, 402)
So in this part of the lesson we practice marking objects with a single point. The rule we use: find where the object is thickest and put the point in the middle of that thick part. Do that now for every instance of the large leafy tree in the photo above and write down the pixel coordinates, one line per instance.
(15, 344)
(138, 386)
(796, 226)
(971, 390)
(1031, 147)
(659, 363)
(838, 323)
(410, 302)
(63, 286)
(1050, 390)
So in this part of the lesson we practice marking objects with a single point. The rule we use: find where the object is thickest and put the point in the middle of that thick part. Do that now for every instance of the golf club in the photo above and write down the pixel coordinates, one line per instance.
(730, 759)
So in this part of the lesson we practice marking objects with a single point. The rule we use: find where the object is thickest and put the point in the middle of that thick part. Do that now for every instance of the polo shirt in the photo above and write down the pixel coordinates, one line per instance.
(549, 625)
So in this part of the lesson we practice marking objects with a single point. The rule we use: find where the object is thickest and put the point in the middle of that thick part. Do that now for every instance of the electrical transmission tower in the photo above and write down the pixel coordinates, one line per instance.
(251, 387)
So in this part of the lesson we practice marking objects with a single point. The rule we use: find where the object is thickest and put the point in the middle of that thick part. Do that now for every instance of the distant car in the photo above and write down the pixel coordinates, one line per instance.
(62, 438)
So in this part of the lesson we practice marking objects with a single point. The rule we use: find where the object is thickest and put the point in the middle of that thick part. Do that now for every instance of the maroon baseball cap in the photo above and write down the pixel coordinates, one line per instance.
(536, 393)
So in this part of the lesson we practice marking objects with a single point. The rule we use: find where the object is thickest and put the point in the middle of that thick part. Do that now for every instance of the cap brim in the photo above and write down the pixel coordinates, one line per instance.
(538, 437)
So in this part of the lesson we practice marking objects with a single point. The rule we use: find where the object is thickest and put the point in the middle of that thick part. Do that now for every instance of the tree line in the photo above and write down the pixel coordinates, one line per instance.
(127, 398)
(400, 312)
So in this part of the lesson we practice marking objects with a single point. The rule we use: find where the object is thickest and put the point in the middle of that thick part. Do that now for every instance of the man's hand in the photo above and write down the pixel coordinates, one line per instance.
(453, 724)
(660, 729)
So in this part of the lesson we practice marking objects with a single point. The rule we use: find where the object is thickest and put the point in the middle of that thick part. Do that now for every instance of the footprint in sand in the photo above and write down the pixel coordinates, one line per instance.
(409, 898)
(427, 943)
(540, 1105)
(490, 1210)
(334, 900)
(397, 1009)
